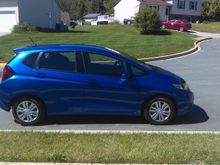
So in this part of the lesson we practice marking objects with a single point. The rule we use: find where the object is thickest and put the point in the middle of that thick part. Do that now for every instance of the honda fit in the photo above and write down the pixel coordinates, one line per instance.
(89, 80)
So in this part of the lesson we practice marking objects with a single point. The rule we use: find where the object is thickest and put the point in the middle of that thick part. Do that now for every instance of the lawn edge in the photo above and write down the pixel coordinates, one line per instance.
(180, 54)
(165, 57)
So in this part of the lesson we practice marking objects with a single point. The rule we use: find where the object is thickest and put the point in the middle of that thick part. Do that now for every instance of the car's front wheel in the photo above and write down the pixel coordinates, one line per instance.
(28, 111)
(159, 111)
(181, 29)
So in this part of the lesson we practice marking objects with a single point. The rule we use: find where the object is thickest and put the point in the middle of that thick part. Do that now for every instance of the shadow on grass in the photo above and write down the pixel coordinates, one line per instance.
(198, 115)
(161, 32)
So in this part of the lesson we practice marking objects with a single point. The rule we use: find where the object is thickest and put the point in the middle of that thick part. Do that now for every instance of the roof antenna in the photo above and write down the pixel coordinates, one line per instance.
(32, 41)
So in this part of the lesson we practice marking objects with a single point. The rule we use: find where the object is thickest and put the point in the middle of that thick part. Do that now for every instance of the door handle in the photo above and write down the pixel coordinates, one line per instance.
(38, 75)
(90, 81)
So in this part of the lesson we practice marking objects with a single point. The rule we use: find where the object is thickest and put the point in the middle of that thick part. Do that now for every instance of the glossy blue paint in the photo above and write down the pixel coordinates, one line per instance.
(80, 93)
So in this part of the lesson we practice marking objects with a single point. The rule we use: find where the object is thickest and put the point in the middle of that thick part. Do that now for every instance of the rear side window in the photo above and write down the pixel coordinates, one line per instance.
(59, 61)
(31, 59)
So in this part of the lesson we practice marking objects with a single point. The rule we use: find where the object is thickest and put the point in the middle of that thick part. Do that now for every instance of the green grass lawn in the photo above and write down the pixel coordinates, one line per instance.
(213, 27)
(110, 148)
(123, 38)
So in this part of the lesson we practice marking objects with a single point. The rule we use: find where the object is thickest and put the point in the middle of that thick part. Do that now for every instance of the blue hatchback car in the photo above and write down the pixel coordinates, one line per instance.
(89, 80)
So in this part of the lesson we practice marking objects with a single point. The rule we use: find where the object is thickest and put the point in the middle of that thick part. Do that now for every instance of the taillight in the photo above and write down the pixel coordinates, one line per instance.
(7, 72)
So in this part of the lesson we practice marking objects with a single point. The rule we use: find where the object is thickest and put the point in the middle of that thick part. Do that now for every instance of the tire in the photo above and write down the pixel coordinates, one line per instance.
(181, 29)
(28, 111)
(129, 23)
(159, 111)
(163, 27)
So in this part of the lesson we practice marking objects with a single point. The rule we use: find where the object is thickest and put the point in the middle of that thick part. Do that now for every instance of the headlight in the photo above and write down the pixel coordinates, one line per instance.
(183, 86)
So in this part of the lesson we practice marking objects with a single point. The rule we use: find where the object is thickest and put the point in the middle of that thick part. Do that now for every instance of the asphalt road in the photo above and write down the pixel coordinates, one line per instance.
(202, 72)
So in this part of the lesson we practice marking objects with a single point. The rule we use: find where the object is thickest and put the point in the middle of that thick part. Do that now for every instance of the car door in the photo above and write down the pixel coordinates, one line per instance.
(177, 25)
(106, 92)
(57, 80)
(169, 24)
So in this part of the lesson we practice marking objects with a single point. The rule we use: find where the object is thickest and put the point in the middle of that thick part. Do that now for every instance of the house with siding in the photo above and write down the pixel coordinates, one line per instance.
(168, 9)
(40, 13)
(127, 9)
(186, 9)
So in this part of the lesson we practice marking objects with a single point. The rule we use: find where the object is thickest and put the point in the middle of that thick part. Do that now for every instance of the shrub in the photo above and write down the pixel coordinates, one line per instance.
(23, 27)
(148, 20)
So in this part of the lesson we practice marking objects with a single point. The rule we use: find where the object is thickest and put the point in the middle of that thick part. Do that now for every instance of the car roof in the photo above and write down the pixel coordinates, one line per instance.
(57, 47)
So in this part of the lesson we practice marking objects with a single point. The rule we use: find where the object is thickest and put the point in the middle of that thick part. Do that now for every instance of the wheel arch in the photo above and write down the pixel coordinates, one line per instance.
(27, 95)
(156, 96)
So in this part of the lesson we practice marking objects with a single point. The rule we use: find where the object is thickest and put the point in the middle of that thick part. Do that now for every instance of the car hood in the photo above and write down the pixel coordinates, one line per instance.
(164, 74)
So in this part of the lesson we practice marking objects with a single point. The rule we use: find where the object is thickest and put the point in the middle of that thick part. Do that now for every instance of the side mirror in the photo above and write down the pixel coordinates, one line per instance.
(126, 76)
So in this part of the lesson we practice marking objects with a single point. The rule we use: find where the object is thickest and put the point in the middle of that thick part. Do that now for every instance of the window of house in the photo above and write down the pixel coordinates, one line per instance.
(181, 4)
(155, 7)
(193, 5)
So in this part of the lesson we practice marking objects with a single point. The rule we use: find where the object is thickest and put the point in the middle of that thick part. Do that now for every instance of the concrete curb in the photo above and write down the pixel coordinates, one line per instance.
(165, 57)
(31, 163)
(67, 131)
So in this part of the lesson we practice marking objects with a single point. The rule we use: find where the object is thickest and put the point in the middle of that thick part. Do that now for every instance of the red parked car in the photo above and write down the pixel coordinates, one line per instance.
(180, 25)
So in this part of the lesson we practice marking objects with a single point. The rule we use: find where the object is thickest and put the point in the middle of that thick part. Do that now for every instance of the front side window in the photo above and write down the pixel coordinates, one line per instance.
(136, 71)
(181, 4)
(102, 65)
(59, 61)
(193, 5)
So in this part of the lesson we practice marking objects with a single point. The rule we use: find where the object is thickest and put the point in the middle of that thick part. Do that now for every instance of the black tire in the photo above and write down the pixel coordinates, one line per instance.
(148, 114)
(39, 110)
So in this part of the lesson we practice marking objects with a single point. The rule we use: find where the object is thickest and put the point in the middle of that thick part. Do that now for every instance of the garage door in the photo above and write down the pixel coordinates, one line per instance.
(7, 20)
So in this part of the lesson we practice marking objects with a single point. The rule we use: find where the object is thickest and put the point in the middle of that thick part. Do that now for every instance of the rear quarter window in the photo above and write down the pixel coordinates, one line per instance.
(30, 59)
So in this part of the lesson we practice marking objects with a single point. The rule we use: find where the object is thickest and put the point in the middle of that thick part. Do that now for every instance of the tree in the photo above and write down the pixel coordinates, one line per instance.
(211, 10)
(79, 8)
(148, 20)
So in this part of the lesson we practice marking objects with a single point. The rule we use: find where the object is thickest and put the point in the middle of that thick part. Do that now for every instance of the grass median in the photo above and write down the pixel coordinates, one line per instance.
(120, 37)
(109, 148)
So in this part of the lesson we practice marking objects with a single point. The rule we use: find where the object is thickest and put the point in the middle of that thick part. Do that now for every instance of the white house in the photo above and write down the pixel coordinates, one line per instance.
(186, 9)
(127, 9)
(41, 13)
(169, 9)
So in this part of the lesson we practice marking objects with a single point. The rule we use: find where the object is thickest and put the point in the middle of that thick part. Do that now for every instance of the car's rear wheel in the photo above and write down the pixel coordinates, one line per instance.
(159, 111)
(28, 111)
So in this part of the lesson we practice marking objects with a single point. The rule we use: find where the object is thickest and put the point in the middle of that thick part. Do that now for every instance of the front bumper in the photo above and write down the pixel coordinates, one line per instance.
(185, 105)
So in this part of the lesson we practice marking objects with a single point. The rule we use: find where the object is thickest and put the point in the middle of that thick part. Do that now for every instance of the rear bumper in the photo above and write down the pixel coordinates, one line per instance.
(4, 100)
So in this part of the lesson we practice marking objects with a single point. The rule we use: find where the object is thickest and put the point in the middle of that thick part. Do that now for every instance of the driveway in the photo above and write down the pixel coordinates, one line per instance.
(205, 34)
(201, 70)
